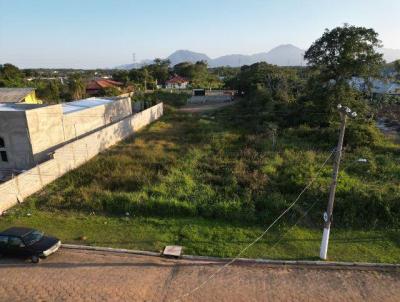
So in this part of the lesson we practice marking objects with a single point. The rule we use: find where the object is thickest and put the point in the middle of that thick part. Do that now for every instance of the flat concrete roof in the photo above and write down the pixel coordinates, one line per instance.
(79, 105)
(10, 107)
(67, 108)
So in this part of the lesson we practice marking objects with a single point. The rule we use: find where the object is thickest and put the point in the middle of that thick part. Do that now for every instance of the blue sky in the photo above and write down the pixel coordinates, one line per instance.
(97, 33)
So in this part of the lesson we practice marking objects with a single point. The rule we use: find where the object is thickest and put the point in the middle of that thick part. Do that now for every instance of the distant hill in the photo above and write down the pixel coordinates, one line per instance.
(180, 56)
(390, 54)
(282, 55)
(285, 55)
(231, 60)
(136, 65)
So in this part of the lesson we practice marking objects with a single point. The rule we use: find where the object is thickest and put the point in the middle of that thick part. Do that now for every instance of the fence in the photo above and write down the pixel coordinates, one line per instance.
(71, 156)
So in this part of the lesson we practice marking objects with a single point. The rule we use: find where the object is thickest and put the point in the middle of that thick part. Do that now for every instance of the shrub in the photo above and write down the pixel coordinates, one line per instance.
(359, 134)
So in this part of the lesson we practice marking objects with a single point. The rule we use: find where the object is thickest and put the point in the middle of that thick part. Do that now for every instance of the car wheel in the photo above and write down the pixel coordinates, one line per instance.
(35, 259)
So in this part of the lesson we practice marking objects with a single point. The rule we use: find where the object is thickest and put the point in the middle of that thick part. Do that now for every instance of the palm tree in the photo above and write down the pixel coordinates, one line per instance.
(77, 88)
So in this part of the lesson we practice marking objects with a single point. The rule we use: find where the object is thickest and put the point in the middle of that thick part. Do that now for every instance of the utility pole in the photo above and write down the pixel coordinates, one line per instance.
(344, 113)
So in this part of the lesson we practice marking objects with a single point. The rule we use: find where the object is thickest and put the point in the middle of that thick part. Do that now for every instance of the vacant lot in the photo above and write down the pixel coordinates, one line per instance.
(213, 181)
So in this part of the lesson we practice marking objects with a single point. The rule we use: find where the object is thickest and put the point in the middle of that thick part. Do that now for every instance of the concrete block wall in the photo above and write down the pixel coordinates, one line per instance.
(57, 128)
(72, 155)
(45, 127)
(78, 123)
(209, 99)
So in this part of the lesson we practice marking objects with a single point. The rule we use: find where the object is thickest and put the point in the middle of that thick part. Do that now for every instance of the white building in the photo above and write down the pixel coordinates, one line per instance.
(377, 86)
(177, 82)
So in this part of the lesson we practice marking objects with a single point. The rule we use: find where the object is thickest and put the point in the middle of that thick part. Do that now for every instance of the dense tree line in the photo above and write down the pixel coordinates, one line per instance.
(50, 91)
(152, 75)
(310, 95)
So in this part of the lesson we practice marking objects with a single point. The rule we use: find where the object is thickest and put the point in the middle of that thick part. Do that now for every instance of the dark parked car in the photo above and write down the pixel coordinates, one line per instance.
(26, 242)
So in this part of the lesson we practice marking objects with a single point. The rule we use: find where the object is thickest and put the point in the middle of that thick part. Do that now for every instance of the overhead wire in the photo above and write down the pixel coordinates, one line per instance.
(237, 257)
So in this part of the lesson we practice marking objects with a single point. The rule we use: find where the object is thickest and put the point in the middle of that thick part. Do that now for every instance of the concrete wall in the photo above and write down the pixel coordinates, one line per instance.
(78, 123)
(72, 155)
(49, 128)
(212, 96)
(45, 128)
(209, 99)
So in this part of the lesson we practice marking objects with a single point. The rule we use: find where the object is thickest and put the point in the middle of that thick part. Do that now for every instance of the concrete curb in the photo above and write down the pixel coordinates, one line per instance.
(320, 264)
(108, 249)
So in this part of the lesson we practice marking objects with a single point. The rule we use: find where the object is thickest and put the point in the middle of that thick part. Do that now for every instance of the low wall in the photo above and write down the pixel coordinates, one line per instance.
(72, 155)
(209, 99)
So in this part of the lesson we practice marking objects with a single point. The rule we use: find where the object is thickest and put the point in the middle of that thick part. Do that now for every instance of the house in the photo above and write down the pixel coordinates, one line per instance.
(176, 82)
(19, 95)
(96, 87)
(29, 133)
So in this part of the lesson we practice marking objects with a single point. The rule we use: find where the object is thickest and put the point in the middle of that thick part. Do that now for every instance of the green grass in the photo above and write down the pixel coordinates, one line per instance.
(208, 237)
(211, 182)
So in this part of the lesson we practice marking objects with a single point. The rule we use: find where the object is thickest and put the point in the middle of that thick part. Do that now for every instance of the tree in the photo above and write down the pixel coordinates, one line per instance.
(110, 91)
(192, 71)
(397, 69)
(121, 76)
(283, 85)
(184, 69)
(11, 76)
(142, 77)
(49, 91)
(397, 66)
(340, 54)
(159, 70)
(76, 87)
(345, 52)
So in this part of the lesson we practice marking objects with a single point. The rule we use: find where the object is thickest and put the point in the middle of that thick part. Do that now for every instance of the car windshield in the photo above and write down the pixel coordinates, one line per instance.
(32, 237)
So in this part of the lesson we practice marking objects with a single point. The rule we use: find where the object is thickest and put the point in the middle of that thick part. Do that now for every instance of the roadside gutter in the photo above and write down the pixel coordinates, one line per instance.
(298, 263)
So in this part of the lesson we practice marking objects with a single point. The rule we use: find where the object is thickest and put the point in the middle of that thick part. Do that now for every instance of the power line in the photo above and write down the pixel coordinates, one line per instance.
(260, 236)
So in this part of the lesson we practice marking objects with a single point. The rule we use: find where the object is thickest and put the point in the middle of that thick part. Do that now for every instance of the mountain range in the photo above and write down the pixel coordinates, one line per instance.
(282, 55)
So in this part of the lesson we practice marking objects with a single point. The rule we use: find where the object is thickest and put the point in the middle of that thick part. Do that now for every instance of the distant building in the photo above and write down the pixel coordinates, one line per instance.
(19, 95)
(378, 87)
(29, 133)
(176, 82)
(96, 87)
(212, 96)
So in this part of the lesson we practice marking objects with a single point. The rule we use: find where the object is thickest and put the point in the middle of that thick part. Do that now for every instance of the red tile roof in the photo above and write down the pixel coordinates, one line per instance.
(177, 80)
(103, 83)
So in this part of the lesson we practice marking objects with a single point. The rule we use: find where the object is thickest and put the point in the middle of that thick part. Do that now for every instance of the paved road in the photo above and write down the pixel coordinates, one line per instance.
(75, 275)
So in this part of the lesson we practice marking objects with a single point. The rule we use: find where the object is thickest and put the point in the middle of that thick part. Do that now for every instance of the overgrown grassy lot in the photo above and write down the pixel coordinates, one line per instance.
(211, 182)
(211, 237)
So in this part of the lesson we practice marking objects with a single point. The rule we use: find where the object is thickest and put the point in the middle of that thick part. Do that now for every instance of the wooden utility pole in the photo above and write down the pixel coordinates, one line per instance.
(344, 113)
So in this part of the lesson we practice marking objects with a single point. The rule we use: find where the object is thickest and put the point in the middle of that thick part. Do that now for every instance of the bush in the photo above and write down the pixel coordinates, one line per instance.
(359, 134)
(368, 207)
(169, 98)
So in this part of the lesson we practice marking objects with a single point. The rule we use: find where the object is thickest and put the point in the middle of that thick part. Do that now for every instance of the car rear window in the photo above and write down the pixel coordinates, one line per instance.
(32, 237)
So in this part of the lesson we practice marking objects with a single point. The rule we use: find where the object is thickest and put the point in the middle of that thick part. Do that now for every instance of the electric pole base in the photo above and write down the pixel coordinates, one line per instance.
(324, 244)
